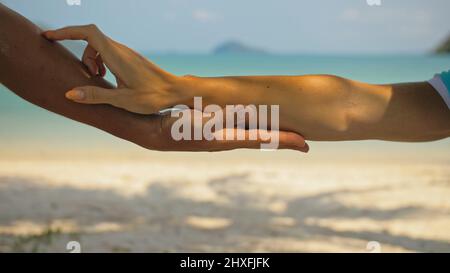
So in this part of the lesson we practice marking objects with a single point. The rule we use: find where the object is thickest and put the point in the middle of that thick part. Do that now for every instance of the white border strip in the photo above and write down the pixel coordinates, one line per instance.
(439, 85)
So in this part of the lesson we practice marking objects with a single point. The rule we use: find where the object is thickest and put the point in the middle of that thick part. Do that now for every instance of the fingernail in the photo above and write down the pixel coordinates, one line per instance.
(306, 148)
(75, 95)
(102, 71)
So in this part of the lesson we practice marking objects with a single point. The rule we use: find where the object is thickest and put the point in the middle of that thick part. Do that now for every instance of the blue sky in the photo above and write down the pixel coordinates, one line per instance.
(284, 26)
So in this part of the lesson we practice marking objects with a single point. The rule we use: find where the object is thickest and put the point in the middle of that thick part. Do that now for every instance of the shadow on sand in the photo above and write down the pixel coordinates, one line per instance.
(155, 221)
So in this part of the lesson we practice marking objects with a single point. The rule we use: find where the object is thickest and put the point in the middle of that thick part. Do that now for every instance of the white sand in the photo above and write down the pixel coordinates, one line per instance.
(228, 204)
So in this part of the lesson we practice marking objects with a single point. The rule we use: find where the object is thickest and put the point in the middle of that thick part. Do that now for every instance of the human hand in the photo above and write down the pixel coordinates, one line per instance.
(155, 134)
(142, 87)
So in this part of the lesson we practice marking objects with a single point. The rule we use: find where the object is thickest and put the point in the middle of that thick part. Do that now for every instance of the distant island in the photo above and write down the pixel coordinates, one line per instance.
(445, 47)
(235, 47)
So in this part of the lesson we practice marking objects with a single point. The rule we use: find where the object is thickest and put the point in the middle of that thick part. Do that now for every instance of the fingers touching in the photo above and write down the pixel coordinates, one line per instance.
(93, 61)
(119, 97)
(286, 140)
(101, 48)
(89, 33)
(142, 88)
(96, 95)
(146, 83)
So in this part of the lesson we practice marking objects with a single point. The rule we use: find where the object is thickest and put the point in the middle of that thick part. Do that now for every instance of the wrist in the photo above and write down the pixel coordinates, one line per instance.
(231, 90)
(185, 88)
(218, 91)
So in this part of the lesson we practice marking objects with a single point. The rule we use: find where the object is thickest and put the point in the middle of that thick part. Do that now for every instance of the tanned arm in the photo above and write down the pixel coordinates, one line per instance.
(41, 72)
(325, 107)
(321, 107)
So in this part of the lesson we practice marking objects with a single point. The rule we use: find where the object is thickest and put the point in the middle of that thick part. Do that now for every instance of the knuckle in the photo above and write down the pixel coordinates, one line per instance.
(92, 30)
(96, 36)
(92, 27)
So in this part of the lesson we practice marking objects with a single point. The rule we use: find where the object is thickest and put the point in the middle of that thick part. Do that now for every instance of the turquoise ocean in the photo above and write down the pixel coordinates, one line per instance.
(27, 130)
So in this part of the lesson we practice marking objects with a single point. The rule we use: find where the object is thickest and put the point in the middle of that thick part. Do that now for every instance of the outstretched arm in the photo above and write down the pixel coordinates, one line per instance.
(41, 72)
(321, 107)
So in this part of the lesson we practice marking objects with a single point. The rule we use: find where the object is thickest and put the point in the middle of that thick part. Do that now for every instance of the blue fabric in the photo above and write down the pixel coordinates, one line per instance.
(445, 77)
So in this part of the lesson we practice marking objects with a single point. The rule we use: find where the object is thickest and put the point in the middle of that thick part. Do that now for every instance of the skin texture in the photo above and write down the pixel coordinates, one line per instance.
(330, 108)
(321, 107)
(41, 72)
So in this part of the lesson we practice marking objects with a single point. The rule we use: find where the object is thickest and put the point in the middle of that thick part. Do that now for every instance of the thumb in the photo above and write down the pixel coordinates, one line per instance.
(94, 95)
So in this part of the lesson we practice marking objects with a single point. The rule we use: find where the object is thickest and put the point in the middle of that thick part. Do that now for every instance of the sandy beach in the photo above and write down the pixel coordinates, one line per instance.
(218, 203)
(353, 73)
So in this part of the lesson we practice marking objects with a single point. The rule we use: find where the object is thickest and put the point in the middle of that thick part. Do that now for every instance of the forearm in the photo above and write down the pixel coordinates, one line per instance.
(331, 108)
(41, 72)
(317, 106)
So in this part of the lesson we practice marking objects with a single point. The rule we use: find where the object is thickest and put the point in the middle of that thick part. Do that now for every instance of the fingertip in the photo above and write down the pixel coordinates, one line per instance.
(69, 95)
(47, 34)
(102, 70)
(75, 95)
(305, 148)
(292, 139)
